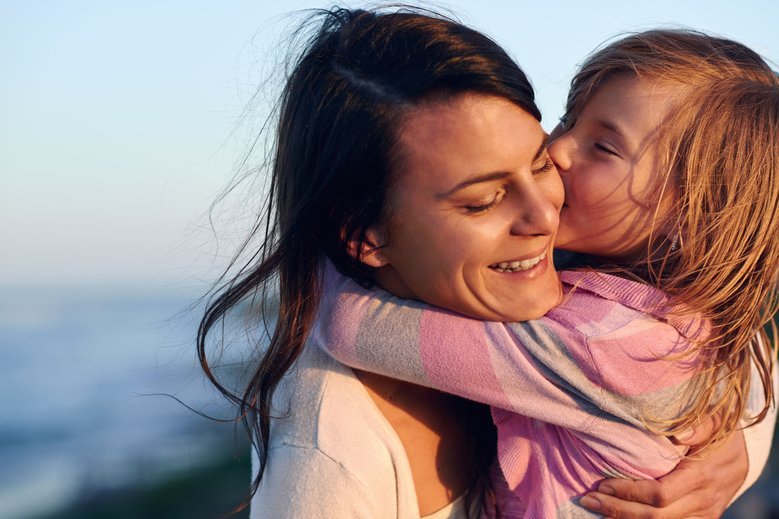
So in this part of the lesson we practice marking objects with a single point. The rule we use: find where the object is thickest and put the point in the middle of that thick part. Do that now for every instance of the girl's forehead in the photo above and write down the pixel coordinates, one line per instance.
(640, 101)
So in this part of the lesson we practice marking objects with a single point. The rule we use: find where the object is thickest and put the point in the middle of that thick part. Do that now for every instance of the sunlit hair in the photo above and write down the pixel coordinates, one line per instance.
(719, 155)
(358, 75)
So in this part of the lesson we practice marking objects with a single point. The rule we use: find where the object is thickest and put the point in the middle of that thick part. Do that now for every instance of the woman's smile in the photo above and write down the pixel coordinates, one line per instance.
(518, 265)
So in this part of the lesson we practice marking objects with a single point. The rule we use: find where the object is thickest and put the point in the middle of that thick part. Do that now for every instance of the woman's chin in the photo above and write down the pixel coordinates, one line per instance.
(528, 308)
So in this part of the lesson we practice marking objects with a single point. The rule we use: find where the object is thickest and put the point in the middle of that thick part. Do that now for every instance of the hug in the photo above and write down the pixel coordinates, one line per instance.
(427, 359)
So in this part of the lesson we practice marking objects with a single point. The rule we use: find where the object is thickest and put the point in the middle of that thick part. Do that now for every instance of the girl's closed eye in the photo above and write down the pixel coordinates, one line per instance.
(481, 207)
(606, 148)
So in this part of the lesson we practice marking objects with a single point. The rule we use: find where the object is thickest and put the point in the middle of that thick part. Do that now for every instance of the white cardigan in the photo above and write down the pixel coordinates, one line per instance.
(335, 455)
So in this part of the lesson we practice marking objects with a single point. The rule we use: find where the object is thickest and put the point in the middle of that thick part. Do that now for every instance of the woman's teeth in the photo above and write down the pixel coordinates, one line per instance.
(517, 266)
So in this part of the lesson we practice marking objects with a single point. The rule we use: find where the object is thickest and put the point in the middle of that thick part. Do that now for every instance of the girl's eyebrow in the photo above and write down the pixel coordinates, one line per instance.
(610, 126)
(492, 176)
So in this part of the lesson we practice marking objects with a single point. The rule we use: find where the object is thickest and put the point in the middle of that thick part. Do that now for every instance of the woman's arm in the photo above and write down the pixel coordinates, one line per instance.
(697, 487)
(758, 437)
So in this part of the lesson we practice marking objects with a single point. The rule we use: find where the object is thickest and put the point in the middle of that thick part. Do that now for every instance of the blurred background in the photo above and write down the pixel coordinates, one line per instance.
(120, 124)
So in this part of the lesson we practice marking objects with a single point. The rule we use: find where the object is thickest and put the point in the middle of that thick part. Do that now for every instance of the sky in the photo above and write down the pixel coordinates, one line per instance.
(121, 122)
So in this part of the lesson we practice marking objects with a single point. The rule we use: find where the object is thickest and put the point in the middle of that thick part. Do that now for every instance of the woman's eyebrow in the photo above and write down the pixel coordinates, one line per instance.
(495, 175)
(486, 177)
(542, 148)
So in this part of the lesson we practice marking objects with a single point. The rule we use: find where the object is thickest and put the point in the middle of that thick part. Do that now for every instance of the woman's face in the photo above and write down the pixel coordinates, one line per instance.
(473, 212)
(608, 161)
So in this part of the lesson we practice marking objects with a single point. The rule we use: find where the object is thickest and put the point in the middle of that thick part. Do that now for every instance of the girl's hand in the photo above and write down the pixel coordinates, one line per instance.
(697, 488)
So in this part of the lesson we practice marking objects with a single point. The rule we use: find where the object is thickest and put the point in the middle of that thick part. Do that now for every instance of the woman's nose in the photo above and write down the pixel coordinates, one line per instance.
(538, 212)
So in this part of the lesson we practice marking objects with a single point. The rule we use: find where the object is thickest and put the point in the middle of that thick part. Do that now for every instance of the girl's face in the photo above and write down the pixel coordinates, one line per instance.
(608, 160)
(473, 212)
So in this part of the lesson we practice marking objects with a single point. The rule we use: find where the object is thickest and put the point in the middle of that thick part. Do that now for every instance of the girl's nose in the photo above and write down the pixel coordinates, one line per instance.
(561, 152)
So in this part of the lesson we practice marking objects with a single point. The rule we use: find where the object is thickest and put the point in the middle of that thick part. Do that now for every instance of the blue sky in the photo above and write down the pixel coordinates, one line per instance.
(120, 122)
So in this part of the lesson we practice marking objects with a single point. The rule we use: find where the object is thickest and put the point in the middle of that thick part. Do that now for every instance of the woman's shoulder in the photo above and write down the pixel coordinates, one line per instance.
(327, 423)
(306, 482)
(320, 403)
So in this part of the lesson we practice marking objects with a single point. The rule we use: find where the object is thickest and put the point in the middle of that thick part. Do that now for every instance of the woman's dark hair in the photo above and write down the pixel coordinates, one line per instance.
(335, 156)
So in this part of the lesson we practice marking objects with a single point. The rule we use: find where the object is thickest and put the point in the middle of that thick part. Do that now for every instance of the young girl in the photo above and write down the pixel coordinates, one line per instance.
(670, 161)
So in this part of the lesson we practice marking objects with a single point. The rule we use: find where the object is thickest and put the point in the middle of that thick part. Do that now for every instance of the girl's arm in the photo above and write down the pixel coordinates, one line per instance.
(408, 340)
(544, 369)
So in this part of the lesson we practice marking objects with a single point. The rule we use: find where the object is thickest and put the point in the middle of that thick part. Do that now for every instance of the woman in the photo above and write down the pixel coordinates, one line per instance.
(325, 445)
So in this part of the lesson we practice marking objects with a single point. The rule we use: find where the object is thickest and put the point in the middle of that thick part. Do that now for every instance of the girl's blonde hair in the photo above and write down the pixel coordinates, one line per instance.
(719, 151)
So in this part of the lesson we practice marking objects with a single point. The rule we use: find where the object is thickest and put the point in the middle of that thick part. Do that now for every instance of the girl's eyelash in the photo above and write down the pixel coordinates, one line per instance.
(605, 149)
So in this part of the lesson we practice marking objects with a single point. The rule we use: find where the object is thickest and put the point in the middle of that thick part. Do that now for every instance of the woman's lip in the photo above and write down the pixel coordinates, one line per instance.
(526, 263)
(545, 250)
(533, 271)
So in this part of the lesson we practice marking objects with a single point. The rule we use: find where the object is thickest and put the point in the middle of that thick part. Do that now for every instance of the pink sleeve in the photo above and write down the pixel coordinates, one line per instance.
(408, 340)
(542, 369)
(568, 401)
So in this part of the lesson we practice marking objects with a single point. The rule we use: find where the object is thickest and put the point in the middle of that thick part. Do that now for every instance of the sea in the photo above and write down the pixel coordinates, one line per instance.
(98, 390)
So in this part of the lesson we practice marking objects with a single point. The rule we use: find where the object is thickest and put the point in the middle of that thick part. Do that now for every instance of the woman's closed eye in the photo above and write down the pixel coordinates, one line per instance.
(481, 207)
(547, 166)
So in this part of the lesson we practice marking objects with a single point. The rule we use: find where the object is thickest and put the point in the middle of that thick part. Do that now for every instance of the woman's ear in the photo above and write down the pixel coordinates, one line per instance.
(372, 251)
